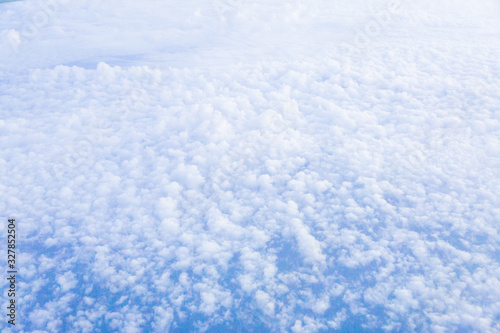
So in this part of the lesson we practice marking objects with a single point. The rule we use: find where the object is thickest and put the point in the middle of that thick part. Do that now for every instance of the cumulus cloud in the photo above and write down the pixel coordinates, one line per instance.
(225, 173)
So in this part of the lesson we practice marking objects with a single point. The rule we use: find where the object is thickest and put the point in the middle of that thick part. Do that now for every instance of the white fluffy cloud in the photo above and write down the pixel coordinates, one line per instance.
(219, 171)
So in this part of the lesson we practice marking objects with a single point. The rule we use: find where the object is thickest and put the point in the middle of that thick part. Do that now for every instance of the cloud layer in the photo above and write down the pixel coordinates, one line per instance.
(356, 188)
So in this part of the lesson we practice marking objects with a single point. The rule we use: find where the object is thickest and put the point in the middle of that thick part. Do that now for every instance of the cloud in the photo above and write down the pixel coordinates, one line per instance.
(303, 193)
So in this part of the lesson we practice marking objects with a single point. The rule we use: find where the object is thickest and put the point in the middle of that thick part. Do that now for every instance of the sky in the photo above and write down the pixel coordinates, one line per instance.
(251, 166)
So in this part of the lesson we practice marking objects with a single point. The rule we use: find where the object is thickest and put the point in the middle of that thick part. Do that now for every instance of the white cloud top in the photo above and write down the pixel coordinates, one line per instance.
(252, 166)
